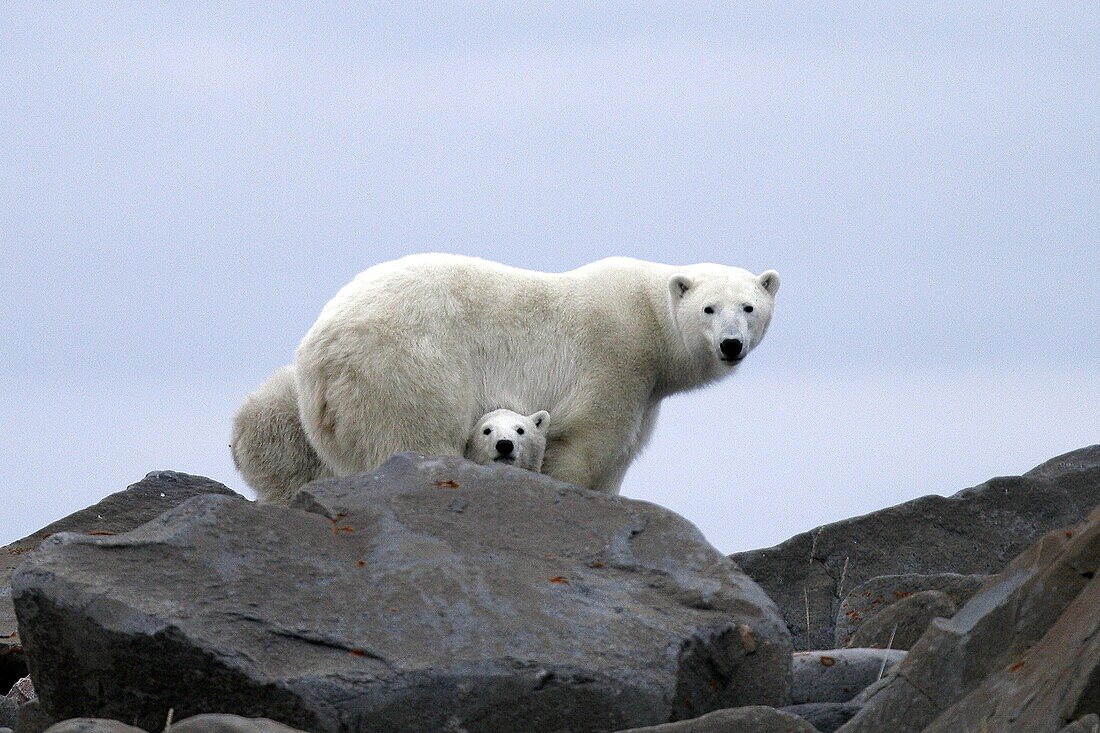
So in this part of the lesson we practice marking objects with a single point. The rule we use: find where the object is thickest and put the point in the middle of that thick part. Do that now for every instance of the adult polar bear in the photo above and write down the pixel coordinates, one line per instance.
(411, 353)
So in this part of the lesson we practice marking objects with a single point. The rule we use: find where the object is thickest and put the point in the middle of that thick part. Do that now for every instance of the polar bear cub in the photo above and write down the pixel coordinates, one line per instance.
(507, 437)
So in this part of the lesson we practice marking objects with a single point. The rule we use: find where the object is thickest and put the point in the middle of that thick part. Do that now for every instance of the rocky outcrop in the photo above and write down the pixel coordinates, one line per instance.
(976, 531)
(120, 512)
(866, 600)
(196, 724)
(825, 717)
(752, 719)
(433, 594)
(1022, 655)
(838, 675)
(899, 625)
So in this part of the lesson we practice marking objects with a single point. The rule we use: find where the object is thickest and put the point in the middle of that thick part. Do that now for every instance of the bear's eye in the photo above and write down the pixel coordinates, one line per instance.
(519, 431)
(748, 309)
(486, 431)
(708, 310)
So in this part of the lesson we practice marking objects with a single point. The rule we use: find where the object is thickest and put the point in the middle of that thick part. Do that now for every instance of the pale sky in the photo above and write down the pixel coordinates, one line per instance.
(185, 185)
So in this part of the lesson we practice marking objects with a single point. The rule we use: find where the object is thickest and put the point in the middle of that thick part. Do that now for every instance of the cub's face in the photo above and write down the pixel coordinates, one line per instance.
(722, 312)
(503, 436)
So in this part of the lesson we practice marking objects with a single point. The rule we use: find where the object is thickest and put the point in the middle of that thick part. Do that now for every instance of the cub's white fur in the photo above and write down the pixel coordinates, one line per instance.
(412, 352)
(503, 436)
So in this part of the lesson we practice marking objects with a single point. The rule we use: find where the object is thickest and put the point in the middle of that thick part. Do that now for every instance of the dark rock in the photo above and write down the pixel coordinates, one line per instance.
(838, 675)
(92, 725)
(1030, 638)
(120, 512)
(33, 719)
(899, 625)
(369, 605)
(867, 599)
(9, 712)
(752, 719)
(229, 724)
(977, 530)
(1088, 724)
(825, 717)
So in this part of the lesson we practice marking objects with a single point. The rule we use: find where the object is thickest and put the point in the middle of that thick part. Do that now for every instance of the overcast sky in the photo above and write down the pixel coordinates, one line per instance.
(184, 186)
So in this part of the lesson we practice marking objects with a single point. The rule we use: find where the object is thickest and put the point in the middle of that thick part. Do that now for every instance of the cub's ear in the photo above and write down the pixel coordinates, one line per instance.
(678, 285)
(541, 420)
(769, 280)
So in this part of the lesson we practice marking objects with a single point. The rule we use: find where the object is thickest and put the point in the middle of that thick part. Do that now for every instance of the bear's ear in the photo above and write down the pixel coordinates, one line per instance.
(541, 420)
(769, 280)
(678, 285)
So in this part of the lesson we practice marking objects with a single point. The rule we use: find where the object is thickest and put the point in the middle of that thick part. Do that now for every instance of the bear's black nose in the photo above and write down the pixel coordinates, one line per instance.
(731, 348)
(504, 447)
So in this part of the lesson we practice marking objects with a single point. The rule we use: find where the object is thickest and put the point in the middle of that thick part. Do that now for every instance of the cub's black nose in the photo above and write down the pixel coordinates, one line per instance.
(504, 447)
(731, 348)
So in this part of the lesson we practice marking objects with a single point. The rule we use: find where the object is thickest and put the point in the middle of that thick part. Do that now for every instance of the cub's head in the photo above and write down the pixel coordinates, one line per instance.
(503, 436)
(722, 313)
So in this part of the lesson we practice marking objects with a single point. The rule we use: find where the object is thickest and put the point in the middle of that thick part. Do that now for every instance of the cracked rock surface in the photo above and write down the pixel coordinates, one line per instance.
(1022, 656)
(120, 512)
(975, 531)
(431, 595)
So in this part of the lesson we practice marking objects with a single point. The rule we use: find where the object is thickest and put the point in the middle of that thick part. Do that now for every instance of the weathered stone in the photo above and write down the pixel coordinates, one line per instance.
(1088, 724)
(9, 712)
(1052, 683)
(838, 675)
(120, 512)
(433, 593)
(751, 719)
(33, 719)
(825, 717)
(899, 625)
(92, 725)
(977, 530)
(211, 723)
(867, 599)
(1041, 595)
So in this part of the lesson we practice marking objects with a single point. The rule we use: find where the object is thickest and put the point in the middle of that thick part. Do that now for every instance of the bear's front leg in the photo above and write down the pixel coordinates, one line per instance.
(593, 451)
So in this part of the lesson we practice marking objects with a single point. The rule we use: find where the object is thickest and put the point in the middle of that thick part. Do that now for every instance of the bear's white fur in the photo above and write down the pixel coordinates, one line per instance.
(412, 352)
(503, 436)
(272, 452)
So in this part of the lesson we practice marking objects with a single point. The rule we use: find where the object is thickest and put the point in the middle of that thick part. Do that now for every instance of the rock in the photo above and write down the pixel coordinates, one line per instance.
(751, 719)
(838, 675)
(899, 625)
(119, 512)
(978, 530)
(1026, 646)
(433, 594)
(33, 719)
(9, 712)
(1088, 724)
(22, 692)
(867, 599)
(1056, 680)
(92, 725)
(210, 723)
(825, 717)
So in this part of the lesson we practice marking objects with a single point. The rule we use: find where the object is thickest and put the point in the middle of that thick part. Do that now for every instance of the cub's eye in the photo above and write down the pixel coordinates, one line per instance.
(708, 310)
(519, 431)
(486, 431)
(748, 309)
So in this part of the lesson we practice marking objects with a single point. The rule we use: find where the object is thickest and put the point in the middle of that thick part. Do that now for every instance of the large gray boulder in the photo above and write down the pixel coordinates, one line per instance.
(751, 719)
(899, 625)
(434, 594)
(838, 675)
(120, 512)
(867, 599)
(978, 530)
(1022, 655)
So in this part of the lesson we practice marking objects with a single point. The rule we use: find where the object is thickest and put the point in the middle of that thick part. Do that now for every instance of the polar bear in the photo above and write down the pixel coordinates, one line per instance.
(271, 450)
(412, 352)
(503, 436)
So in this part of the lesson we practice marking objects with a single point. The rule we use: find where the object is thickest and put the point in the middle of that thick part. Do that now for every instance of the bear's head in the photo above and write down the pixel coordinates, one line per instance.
(503, 436)
(721, 313)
